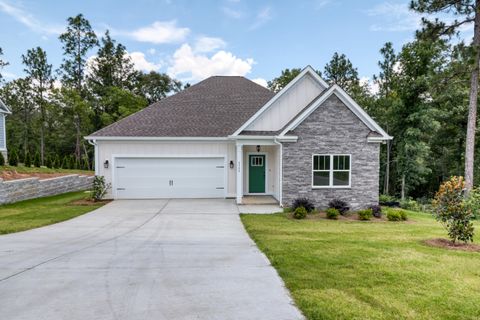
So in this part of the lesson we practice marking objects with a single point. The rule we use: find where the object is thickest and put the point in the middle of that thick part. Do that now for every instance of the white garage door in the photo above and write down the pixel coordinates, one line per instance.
(154, 178)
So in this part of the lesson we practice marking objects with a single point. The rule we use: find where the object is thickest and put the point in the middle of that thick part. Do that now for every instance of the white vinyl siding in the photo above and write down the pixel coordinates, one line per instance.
(331, 171)
(288, 105)
(3, 138)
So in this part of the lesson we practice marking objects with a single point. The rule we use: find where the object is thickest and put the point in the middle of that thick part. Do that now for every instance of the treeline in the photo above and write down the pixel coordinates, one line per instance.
(53, 109)
(422, 98)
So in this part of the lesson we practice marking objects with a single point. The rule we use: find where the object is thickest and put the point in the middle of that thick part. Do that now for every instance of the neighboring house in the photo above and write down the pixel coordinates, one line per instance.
(4, 111)
(229, 137)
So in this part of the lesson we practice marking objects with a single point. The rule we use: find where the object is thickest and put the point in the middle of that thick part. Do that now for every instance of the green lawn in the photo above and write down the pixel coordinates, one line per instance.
(23, 169)
(40, 212)
(370, 270)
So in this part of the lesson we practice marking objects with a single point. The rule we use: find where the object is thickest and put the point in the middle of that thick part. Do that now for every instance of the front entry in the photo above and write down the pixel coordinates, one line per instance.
(256, 173)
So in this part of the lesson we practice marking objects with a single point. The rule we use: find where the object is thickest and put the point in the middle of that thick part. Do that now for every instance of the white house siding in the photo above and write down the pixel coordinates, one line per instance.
(107, 149)
(2, 132)
(288, 105)
(272, 168)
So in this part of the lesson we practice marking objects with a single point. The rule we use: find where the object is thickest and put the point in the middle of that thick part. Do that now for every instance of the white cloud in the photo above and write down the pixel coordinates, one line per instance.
(141, 63)
(208, 44)
(372, 86)
(395, 17)
(151, 51)
(263, 16)
(261, 82)
(28, 20)
(193, 66)
(9, 75)
(160, 32)
(233, 13)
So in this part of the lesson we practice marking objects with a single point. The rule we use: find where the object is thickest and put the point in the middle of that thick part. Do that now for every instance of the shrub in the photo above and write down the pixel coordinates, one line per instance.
(340, 205)
(386, 198)
(409, 204)
(28, 160)
(332, 213)
(13, 158)
(36, 160)
(100, 188)
(452, 210)
(300, 213)
(2, 159)
(303, 202)
(287, 209)
(365, 214)
(376, 211)
(396, 215)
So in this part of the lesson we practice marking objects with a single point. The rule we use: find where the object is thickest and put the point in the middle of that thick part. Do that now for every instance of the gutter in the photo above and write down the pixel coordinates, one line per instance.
(93, 142)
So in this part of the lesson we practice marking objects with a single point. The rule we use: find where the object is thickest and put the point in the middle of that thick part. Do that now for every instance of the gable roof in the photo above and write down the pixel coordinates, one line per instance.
(214, 107)
(349, 102)
(308, 70)
(4, 108)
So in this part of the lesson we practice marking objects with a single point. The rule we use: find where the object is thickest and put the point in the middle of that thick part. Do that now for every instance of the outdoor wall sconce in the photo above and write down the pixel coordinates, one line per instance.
(105, 164)
(258, 148)
(231, 164)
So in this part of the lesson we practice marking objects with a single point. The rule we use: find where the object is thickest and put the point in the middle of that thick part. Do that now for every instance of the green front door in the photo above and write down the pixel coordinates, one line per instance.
(256, 173)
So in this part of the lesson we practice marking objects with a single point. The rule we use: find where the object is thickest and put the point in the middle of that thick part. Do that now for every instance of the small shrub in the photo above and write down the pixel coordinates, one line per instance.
(403, 215)
(452, 210)
(340, 205)
(300, 213)
(332, 213)
(376, 211)
(13, 158)
(409, 204)
(395, 215)
(28, 160)
(100, 188)
(473, 202)
(303, 202)
(386, 198)
(2, 159)
(365, 214)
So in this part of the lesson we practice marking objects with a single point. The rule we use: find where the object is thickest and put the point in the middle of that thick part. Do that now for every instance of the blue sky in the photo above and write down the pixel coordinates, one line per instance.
(192, 40)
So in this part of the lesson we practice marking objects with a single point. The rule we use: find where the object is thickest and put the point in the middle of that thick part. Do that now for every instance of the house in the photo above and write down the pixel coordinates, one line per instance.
(227, 137)
(4, 111)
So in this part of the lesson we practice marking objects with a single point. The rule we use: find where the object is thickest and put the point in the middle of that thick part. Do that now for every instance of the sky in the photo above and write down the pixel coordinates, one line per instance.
(192, 40)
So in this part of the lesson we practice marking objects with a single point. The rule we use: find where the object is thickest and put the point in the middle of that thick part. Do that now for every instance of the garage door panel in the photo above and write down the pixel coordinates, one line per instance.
(150, 178)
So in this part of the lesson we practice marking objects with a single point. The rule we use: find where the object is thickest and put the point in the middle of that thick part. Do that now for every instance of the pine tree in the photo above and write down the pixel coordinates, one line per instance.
(28, 160)
(37, 162)
(58, 163)
(13, 158)
(65, 163)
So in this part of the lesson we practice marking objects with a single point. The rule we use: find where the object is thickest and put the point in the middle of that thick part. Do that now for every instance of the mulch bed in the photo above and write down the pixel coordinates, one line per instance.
(447, 244)
(89, 202)
(351, 217)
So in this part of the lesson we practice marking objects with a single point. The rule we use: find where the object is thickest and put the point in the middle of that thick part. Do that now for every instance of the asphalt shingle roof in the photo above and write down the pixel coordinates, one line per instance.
(214, 107)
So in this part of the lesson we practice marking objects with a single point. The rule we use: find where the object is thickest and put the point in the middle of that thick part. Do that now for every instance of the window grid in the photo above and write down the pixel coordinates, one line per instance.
(256, 161)
(334, 165)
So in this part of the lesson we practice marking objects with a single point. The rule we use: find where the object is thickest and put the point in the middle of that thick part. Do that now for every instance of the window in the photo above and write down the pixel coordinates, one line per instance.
(256, 161)
(331, 170)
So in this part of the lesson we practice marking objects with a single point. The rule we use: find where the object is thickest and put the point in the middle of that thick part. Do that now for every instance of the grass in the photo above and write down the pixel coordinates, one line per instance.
(369, 270)
(23, 169)
(40, 212)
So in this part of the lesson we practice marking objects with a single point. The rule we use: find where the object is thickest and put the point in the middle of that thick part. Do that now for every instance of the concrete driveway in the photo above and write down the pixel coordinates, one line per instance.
(158, 259)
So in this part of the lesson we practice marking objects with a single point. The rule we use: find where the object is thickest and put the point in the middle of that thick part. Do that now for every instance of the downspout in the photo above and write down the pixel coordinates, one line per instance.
(280, 187)
(95, 145)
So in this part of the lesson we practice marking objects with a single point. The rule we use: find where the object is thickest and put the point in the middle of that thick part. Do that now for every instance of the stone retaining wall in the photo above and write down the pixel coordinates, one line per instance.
(30, 188)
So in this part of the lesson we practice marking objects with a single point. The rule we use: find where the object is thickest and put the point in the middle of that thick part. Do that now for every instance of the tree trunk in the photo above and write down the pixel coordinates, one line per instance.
(403, 187)
(472, 106)
(78, 139)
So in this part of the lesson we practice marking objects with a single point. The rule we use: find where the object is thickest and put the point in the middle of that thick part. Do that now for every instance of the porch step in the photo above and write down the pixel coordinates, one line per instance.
(259, 200)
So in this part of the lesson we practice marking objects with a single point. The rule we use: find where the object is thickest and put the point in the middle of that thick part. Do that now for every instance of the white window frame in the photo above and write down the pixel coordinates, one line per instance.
(330, 182)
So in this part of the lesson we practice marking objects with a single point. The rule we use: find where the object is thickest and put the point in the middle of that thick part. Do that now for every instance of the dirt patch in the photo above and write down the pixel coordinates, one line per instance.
(89, 202)
(447, 244)
(7, 175)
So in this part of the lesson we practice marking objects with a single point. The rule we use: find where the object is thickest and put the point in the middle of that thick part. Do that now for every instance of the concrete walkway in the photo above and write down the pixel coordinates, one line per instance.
(158, 259)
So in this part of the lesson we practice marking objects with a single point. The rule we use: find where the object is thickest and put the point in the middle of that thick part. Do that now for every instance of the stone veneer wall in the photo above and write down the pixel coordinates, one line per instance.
(30, 188)
(332, 129)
